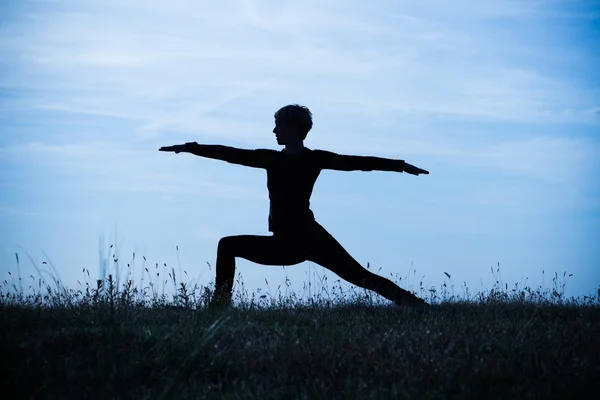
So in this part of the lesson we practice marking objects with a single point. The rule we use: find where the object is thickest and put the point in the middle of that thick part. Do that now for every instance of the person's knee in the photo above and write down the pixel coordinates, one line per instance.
(226, 245)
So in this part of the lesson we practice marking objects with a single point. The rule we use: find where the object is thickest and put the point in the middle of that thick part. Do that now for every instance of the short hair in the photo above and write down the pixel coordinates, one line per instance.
(298, 115)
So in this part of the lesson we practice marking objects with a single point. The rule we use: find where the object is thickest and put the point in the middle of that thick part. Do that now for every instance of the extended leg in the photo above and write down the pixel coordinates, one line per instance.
(265, 250)
(326, 251)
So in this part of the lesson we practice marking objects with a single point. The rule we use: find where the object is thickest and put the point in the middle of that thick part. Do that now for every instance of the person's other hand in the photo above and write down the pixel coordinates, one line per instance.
(411, 169)
(178, 148)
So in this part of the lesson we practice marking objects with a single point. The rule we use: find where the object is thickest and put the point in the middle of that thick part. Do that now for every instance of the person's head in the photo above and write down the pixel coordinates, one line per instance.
(292, 123)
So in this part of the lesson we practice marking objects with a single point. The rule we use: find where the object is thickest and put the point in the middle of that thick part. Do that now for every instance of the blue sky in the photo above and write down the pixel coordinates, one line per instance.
(500, 100)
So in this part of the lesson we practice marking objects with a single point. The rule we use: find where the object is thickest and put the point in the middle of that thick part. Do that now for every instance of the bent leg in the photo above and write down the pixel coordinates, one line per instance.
(265, 250)
(326, 251)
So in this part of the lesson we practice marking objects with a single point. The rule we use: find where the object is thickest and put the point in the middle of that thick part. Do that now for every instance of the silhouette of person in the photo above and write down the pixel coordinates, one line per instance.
(296, 235)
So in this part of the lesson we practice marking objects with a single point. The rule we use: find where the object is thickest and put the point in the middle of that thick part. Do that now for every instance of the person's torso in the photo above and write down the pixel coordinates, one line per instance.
(290, 180)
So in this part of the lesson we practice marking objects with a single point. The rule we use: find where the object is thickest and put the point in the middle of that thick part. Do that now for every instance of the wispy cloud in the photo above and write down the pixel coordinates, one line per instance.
(215, 72)
(172, 75)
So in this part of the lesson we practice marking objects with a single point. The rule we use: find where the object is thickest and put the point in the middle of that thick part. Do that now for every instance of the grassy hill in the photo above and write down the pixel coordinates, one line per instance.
(110, 343)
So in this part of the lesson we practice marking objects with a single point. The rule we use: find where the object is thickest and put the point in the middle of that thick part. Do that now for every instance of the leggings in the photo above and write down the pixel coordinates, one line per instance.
(314, 244)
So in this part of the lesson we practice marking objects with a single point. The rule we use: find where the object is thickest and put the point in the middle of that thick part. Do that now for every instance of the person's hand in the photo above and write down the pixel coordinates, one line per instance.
(411, 169)
(178, 148)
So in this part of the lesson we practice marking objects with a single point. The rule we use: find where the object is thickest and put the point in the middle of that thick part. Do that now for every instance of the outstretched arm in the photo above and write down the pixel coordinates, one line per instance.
(341, 162)
(259, 158)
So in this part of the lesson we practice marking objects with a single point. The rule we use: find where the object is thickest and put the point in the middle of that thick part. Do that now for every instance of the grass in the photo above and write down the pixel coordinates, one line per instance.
(114, 340)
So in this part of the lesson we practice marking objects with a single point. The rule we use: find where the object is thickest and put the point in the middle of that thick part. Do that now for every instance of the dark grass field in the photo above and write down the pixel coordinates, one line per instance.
(122, 345)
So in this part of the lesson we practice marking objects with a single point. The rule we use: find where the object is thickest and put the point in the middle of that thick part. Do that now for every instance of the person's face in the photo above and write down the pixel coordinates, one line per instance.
(285, 133)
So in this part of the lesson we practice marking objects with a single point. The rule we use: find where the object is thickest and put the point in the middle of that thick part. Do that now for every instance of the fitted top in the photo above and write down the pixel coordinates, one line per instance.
(291, 177)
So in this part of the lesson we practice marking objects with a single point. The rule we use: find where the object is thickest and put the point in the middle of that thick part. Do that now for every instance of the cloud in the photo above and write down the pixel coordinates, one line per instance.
(171, 75)
(215, 72)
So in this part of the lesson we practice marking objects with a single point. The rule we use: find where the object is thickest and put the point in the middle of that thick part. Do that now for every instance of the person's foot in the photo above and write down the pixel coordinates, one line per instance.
(221, 299)
(412, 301)
(220, 302)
